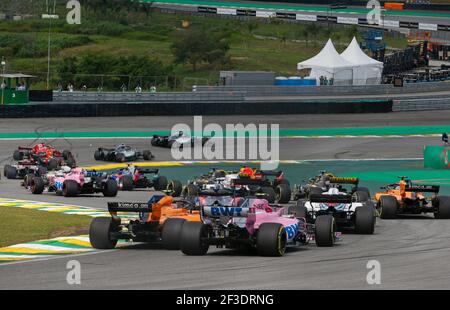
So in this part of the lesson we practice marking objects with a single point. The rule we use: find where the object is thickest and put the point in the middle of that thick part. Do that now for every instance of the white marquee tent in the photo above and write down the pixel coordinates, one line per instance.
(328, 63)
(366, 70)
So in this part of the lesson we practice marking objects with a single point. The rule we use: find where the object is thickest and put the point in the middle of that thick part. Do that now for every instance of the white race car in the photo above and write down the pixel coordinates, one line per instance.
(348, 211)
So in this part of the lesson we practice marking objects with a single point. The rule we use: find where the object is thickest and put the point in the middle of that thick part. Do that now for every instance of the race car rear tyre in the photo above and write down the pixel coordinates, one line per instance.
(271, 239)
(325, 231)
(17, 155)
(299, 210)
(66, 154)
(70, 161)
(313, 190)
(126, 183)
(41, 171)
(28, 179)
(283, 193)
(388, 207)
(11, 173)
(37, 186)
(270, 194)
(189, 190)
(364, 220)
(52, 164)
(110, 189)
(154, 142)
(171, 233)
(98, 155)
(161, 183)
(120, 158)
(364, 189)
(175, 187)
(147, 155)
(443, 209)
(361, 196)
(192, 241)
(99, 233)
(70, 188)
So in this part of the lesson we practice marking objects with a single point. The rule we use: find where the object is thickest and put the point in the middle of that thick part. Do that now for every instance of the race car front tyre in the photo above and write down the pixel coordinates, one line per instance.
(271, 239)
(52, 164)
(364, 220)
(192, 241)
(154, 142)
(98, 155)
(110, 188)
(175, 187)
(120, 158)
(443, 208)
(161, 183)
(11, 172)
(283, 193)
(360, 196)
(270, 194)
(171, 233)
(325, 231)
(70, 188)
(147, 155)
(100, 233)
(388, 207)
(17, 155)
(37, 185)
(28, 179)
(299, 210)
(6, 167)
(189, 190)
(126, 183)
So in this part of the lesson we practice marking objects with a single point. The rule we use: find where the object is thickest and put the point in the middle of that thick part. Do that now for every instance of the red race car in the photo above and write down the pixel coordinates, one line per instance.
(45, 155)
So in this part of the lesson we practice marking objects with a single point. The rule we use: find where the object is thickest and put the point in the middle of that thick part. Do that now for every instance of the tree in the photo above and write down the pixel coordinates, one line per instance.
(198, 45)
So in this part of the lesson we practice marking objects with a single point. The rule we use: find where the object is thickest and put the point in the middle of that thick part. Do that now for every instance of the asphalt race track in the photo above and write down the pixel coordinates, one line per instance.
(412, 251)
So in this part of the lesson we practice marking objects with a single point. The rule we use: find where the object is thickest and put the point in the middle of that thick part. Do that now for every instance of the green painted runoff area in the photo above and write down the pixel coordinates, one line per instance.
(283, 6)
(310, 132)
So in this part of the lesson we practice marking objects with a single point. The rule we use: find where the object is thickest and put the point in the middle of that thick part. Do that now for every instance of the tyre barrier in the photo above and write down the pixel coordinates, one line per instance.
(193, 108)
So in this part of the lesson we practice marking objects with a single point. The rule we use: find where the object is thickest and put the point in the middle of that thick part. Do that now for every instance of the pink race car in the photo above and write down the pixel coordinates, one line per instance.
(231, 222)
(75, 182)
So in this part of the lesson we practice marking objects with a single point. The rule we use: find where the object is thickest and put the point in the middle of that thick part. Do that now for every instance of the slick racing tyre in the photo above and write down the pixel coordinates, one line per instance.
(154, 142)
(37, 185)
(271, 239)
(17, 155)
(110, 188)
(171, 233)
(98, 155)
(161, 183)
(283, 193)
(126, 183)
(70, 162)
(325, 231)
(192, 241)
(364, 189)
(175, 188)
(120, 158)
(299, 210)
(28, 179)
(388, 207)
(99, 233)
(270, 194)
(70, 188)
(313, 190)
(5, 168)
(147, 155)
(360, 196)
(364, 220)
(52, 164)
(443, 208)
(11, 172)
(67, 154)
(189, 190)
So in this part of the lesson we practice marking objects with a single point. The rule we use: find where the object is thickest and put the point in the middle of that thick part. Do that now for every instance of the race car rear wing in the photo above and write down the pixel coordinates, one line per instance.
(245, 181)
(219, 211)
(129, 207)
(270, 173)
(330, 198)
(423, 188)
(340, 180)
(220, 192)
(147, 170)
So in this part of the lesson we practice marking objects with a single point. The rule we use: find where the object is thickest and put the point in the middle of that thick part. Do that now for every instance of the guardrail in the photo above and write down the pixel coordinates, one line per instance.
(106, 97)
(421, 104)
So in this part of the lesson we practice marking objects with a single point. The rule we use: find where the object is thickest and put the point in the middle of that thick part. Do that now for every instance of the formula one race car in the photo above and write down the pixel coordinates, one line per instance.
(180, 139)
(71, 183)
(234, 222)
(22, 169)
(121, 153)
(348, 210)
(324, 181)
(45, 155)
(133, 177)
(160, 220)
(408, 198)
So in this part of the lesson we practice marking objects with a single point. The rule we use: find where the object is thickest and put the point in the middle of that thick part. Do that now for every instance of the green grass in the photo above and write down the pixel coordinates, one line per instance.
(273, 46)
(22, 225)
